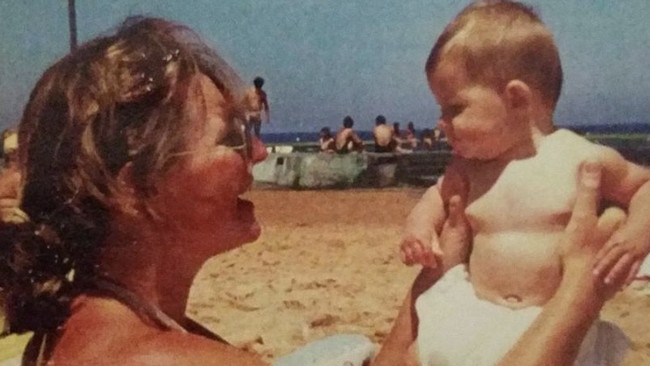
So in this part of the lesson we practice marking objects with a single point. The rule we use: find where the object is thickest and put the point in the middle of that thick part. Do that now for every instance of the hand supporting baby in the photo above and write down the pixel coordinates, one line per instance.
(623, 254)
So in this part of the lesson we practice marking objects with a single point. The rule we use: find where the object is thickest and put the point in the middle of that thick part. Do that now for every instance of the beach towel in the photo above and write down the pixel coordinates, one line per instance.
(336, 350)
(458, 329)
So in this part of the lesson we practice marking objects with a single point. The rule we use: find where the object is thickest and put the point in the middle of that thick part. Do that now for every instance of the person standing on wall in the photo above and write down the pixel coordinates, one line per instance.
(256, 103)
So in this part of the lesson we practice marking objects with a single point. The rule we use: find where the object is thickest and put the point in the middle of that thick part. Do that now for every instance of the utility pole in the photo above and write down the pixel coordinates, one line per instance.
(72, 22)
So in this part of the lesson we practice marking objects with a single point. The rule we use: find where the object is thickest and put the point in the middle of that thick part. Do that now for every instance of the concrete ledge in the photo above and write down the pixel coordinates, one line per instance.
(323, 170)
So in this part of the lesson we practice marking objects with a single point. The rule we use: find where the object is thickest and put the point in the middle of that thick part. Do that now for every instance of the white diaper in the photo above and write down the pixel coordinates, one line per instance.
(458, 329)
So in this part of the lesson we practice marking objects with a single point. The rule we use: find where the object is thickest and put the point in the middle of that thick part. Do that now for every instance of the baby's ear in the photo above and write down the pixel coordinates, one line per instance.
(518, 94)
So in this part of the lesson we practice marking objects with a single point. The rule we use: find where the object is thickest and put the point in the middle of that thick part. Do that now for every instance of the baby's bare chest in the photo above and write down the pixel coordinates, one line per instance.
(528, 195)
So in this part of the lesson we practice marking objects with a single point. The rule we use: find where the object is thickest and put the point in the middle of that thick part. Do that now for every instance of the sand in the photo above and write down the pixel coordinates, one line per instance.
(327, 263)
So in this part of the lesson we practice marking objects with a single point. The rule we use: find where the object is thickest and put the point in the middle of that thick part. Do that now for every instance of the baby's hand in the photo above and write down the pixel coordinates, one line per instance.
(418, 249)
(622, 256)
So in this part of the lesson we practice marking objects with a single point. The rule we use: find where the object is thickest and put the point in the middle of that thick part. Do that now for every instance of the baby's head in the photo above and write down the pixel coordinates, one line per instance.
(497, 41)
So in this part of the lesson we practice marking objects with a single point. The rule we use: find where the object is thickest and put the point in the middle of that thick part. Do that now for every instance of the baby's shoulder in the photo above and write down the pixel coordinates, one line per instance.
(567, 138)
(571, 147)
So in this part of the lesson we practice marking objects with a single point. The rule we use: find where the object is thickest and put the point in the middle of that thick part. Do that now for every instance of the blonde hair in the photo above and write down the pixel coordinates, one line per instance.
(498, 41)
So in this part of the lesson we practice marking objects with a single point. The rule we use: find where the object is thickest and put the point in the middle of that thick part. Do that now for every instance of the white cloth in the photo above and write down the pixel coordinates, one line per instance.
(458, 329)
(644, 271)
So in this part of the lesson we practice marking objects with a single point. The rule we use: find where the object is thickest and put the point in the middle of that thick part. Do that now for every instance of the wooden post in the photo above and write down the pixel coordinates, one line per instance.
(72, 22)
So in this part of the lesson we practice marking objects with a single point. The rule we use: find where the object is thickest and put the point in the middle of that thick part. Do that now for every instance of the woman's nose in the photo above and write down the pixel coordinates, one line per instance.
(259, 152)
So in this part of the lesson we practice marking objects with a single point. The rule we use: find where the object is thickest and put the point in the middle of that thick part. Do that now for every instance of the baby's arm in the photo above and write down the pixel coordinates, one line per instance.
(420, 244)
(629, 185)
(420, 239)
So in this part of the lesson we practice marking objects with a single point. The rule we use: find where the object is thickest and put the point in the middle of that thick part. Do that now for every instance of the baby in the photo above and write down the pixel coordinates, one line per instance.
(496, 74)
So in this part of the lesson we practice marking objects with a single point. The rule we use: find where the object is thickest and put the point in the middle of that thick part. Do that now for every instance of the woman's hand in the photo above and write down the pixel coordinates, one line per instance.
(586, 233)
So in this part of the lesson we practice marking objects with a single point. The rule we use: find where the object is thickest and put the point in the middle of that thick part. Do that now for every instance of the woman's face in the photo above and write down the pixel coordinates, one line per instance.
(201, 192)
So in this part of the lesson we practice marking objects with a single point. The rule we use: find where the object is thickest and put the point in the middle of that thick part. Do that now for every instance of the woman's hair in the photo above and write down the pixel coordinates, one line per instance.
(498, 41)
(118, 99)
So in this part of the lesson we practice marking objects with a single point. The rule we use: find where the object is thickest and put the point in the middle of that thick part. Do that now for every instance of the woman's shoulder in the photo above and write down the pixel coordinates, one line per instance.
(176, 348)
(104, 332)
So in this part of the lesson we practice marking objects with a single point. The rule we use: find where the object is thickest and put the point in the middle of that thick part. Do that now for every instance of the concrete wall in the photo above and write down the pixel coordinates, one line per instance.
(321, 170)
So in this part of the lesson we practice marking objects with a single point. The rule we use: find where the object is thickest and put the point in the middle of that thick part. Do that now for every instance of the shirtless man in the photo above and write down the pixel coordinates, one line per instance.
(518, 176)
(384, 138)
(346, 139)
(256, 104)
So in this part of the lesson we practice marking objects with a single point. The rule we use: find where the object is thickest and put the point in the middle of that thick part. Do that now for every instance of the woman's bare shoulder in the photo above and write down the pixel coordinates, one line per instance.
(105, 332)
(176, 348)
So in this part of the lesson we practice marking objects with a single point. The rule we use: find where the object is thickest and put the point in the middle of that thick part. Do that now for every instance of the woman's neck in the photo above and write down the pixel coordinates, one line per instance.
(151, 265)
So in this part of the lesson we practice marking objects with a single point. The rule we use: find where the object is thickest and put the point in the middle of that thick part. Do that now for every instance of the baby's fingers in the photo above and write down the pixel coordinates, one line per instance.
(619, 273)
(607, 258)
(633, 272)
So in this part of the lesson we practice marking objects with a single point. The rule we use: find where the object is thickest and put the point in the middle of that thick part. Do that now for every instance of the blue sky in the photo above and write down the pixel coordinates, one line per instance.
(324, 59)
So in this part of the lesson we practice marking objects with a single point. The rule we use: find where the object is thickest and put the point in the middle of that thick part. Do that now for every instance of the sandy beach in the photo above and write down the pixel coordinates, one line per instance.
(326, 263)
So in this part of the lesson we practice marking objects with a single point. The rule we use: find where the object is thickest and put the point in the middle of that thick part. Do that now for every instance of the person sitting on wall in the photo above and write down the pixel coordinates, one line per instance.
(383, 135)
(346, 139)
(326, 141)
(411, 141)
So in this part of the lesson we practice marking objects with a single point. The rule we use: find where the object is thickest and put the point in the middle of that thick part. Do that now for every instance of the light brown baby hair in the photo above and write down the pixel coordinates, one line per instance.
(498, 41)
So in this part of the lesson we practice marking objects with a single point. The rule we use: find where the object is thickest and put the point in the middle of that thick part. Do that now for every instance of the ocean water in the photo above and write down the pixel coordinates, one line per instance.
(293, 137)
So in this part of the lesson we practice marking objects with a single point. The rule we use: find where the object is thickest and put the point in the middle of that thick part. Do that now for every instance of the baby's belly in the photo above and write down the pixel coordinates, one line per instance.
(515, 269)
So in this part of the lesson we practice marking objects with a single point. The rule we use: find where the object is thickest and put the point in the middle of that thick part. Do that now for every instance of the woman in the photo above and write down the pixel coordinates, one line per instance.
(134, 156)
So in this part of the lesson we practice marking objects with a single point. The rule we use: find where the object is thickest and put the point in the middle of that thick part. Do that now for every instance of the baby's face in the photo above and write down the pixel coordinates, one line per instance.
(475, 118)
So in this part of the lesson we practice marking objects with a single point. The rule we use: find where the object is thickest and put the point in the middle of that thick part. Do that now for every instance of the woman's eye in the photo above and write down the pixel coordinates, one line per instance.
(234, 138)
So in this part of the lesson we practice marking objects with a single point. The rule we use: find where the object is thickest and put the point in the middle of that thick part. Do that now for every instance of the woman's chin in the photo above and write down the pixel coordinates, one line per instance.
(250, 228)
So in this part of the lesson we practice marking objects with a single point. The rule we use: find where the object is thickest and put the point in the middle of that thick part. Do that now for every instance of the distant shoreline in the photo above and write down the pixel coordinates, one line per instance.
(606, 129)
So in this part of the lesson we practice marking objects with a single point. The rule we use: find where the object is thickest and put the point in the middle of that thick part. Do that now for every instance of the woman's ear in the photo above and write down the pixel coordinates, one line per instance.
(518, 94)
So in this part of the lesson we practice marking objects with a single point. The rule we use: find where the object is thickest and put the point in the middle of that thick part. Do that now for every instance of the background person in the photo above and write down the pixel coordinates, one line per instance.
(410, 137)
(326, 141)
(257, 105)
(346, 139)
(383, 136)
(10, 179)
